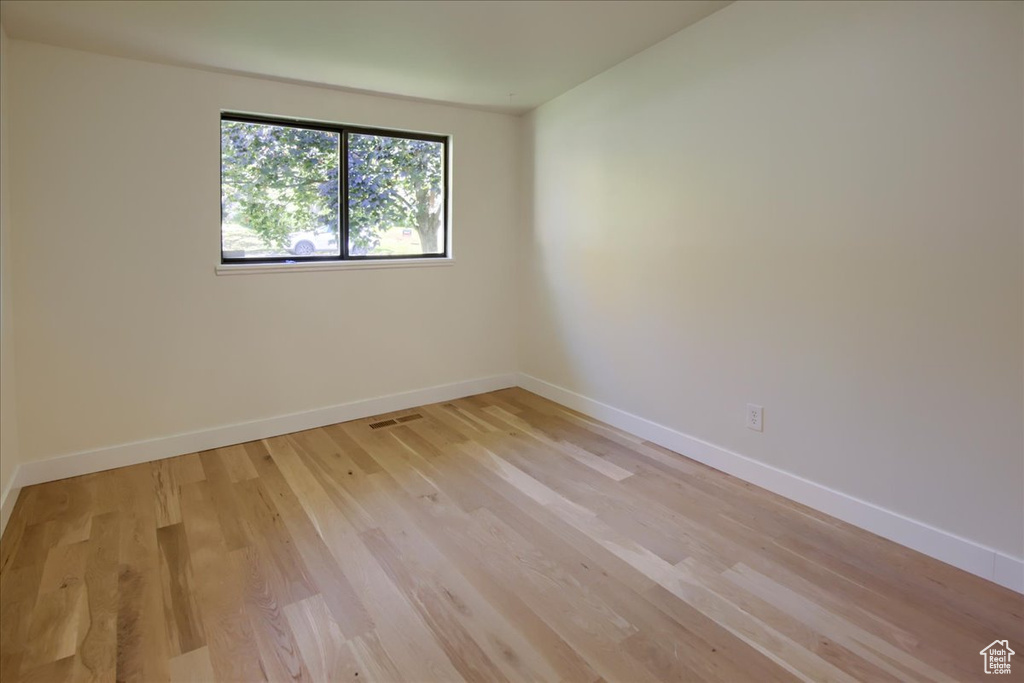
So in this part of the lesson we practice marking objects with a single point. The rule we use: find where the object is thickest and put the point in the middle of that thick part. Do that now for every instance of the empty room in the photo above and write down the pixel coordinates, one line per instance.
(518, 341)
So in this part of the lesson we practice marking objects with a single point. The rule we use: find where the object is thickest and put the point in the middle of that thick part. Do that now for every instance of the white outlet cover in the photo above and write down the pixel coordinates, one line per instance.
(755, 417)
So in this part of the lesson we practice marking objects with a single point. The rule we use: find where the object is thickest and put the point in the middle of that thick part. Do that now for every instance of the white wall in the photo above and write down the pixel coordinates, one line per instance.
(124, 330)
(816, 207)
(8, 421)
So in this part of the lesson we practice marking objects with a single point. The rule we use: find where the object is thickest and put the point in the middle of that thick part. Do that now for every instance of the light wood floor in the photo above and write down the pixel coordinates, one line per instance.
(498, 537)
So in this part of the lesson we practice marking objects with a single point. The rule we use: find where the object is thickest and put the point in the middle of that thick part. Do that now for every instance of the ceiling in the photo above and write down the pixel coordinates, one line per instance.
(470, 53)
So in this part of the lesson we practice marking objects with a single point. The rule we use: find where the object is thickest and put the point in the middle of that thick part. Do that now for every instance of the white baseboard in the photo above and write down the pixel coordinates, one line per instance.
(1008, 571)
(942, 545)
(86, 462)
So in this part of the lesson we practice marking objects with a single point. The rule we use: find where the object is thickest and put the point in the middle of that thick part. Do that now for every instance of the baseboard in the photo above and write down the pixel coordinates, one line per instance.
(1008, 571)
(942, 545)
(87, 462)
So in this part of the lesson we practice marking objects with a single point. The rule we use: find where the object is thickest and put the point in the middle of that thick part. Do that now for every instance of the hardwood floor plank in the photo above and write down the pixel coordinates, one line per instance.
(228, 515)
(64, 566)
(323, 647)
(400, 630)
(141, 629)
(498, 537)
(34, 545)
(592, 627)
(581, 455)
(60, 670)
(56, 627)
(709, 650)
(192, 667)
(350, 448)
(236, 463)
(187, 469)
(513, 505)
(68, 508)
(410, 522)
(642, 520)
(329, 580)
(278, 651)
(815, 618)
(98, 651)
(373, 659)
(758, 635)
(19, 589)
(233, 650)
(344, 484)
(596, 625)
(166, 503)
(500, 637)
(168, 476)
(184, 625)
(464, 652)
(266, 531)
(14, 533)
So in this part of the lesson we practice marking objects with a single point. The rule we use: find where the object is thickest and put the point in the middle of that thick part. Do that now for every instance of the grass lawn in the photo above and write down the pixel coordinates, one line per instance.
(395, 241)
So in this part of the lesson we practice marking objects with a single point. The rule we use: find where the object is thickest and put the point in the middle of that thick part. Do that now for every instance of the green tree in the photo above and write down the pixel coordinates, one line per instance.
(279, 180)
(396, 181)
(274, 178)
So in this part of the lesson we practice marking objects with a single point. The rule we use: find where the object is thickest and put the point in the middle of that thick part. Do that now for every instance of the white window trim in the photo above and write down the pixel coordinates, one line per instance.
(315, 266)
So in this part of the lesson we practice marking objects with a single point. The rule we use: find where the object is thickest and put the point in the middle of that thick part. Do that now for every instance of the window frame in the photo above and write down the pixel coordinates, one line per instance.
(343, 132)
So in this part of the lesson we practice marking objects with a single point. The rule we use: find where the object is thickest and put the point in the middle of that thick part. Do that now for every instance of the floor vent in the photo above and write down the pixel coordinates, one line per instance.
(410, 418)
(382, 423)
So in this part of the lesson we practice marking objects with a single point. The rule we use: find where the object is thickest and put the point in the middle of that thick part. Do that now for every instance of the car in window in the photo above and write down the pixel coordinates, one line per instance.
(306, 243)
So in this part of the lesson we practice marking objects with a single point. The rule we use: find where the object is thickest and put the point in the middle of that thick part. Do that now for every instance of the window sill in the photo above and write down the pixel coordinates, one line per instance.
(300, 267)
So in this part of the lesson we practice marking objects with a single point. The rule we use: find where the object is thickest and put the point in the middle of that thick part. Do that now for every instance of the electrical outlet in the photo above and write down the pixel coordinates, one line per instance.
(755, 417)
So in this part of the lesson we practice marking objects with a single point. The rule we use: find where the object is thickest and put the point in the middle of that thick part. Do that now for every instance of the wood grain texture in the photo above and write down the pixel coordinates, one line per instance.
(499, 537)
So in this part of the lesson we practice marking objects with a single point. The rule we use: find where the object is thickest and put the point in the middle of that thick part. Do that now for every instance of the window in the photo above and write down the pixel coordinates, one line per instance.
(298, 192)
